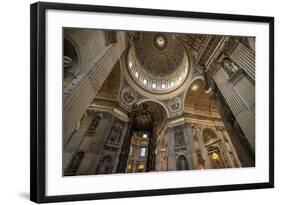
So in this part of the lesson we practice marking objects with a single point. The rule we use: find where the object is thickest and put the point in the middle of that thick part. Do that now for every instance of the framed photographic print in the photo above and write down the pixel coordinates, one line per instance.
(129, 102)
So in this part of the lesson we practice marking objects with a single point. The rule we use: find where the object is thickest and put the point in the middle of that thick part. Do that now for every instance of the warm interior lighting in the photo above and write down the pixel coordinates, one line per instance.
(195, 87)
(215, 156)
(141, 166)
(142, 152)
(160, 41)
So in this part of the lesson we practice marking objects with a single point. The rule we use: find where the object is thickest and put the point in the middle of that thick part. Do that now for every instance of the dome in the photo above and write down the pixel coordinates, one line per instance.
(158, 62)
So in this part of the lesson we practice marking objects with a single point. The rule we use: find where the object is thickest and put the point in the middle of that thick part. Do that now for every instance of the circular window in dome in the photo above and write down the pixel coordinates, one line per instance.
(160, 42)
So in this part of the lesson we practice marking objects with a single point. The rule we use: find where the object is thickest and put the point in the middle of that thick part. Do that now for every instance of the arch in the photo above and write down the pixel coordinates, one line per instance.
(208, 135)
(182, 163)
(156, 101)
(198, 77)
(198, 101)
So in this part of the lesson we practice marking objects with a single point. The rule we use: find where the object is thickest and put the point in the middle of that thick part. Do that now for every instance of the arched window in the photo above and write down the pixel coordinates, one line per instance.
(182, 163)
(74, 164)
(105, 166)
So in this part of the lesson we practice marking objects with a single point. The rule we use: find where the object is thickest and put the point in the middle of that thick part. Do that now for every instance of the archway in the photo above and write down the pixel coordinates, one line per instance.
(199, 101)
(212, 144)
(140, 145)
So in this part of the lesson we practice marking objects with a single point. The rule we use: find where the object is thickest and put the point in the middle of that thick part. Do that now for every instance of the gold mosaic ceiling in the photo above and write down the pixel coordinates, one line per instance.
(199, 101)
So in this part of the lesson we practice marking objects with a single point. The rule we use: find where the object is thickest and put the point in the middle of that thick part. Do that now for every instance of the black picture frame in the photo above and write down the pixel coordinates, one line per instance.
(38, 101)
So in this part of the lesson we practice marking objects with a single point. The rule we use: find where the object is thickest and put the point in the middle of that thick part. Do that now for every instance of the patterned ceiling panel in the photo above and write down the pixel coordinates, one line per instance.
(198, 101)
(159, 54)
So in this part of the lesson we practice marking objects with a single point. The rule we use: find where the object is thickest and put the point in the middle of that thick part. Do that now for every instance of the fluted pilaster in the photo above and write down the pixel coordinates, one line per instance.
(79, 95)
(242, 113)
(245, 58)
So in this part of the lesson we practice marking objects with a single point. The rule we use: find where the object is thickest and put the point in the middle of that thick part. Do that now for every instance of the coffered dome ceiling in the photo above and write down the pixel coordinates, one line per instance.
(159, 54)
(157, 62)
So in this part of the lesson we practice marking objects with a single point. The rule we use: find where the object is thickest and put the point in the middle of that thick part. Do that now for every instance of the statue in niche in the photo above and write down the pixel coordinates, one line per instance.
(75, 163)
(182, 163)
(194, 133)
(114, 135)
(179, 136)
(105, 166)
(95, 122)
(229, 66)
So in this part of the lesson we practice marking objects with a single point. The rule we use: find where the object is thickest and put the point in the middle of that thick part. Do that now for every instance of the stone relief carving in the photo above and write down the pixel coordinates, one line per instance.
(179, 135)
(195, 138)
(128, 96)
(182, 163)
(174, 104)
(230, 66)
(105, 166)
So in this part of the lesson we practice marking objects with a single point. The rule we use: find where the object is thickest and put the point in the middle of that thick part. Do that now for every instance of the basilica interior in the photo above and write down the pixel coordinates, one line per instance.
(136, 101)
